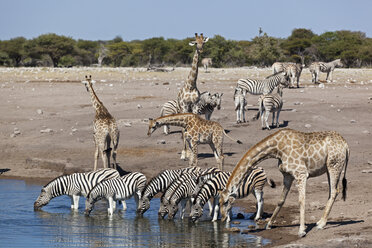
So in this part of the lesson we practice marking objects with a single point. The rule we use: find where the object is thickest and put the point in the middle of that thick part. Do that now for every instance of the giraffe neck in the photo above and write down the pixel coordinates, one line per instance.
(180, 120)
(97, 104)
(267, 148)
(193, 75)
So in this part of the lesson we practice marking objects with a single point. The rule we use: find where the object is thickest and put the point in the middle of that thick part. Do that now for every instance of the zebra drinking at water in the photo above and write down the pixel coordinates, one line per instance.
(116, 189)
(74, 185)
(317, 67)
(179, 192)
(254, 182)
(270, 103)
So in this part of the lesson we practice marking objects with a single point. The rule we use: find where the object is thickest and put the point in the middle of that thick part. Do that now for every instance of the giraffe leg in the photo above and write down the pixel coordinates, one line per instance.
(333, 179)
(287, 183)
(301, 185)
(115, 141)
(96, 156)
(193, 161)
(184, 151)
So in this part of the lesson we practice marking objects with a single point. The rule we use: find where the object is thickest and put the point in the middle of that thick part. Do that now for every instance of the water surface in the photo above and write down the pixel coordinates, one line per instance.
(57, 226)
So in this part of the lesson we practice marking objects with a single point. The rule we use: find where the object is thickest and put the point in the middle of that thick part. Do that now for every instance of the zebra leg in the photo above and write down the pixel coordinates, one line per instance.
(267, 113)
(328, 72)
(238, 118)
(124, 205)
(211, 207)
(216, 209)
(277, 118)
(114, 205)
(260, 202)
(166, 129)
(75, 202)
(183, 208)
(273, 119)
(110, 210)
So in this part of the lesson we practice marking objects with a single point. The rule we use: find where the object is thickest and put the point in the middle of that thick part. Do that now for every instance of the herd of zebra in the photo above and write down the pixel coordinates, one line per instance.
(192, 184)
(179, 186)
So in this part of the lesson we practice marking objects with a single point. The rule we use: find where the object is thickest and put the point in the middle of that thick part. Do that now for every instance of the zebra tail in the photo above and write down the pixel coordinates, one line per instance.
(344, 181)
(271, 183)
(237, 141)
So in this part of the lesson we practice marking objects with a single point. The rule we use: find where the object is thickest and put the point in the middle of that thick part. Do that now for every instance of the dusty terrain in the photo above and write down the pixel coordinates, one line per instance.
(46, 130)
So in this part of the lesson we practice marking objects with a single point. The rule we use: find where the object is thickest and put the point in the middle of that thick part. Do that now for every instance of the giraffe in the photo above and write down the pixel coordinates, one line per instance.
(189, 94)
(105, 129)
(197, 131)
(301, 155)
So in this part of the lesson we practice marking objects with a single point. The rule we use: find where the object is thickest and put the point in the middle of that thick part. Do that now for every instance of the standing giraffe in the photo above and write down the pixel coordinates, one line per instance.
(104, 127)
(196, 131)
(301, 155)
(189, 94)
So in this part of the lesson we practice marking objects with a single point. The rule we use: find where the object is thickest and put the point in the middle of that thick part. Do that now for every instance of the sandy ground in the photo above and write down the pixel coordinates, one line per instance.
(46, 130)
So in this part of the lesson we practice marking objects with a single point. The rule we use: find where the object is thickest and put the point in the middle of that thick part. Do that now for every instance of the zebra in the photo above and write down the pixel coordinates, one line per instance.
(317, 67)
(240, 103)
(116, 189)
(170, 107)
(254, 182)
(206, 62)
(160, 183)
(270, 103)
(294, 72)
(265, 86)
(180, 191)
(206, 105)
(74, 185)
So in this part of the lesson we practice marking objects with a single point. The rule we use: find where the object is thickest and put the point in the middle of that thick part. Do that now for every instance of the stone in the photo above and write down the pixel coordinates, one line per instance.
(307, 125)
(369, 162)
(139, 106)
(47, 130)
(127, 124)
(366, 171)
(232, 229)
(160, 142)
(236, 222)
(352, 121)
(39, 111)
(321, 86)
(366, 132)
(240, 216)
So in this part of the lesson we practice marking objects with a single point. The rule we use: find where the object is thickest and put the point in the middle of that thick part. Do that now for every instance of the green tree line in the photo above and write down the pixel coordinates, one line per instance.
(302, 46)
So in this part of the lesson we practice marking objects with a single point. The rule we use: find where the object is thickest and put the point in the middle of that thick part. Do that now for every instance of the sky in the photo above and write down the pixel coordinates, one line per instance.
(142, 19)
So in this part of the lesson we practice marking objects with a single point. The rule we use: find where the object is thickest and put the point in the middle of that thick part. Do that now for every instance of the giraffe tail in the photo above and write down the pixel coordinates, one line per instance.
(344, 181)
(237, 141)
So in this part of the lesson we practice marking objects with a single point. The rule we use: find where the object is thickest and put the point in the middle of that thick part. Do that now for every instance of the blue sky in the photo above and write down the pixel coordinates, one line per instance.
(141, 19)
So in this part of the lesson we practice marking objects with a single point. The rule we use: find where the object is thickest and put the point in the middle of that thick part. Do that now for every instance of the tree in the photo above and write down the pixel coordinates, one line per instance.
(117, 51)
(298, 44)
(265, 50)
(55, 46)
(15, 49)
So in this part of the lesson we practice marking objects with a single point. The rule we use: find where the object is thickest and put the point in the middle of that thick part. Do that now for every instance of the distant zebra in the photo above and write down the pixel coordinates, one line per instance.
(254, 182)
(116, 189)
(270, 103)
(280, 66)
(293, 70)
(180, 191)
(206, 105)
(170, 107)
(317, 67)
(160, 183)
(240, 103)
(74, 185)
(206, 62)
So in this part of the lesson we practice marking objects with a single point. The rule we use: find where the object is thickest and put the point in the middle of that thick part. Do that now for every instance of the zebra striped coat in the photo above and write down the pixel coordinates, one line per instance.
(206, 105)
(160, 183)
(240, 103)
(116, 189)
(254, 182)
(179, 191)
(293, 70)
(74, 185)
(317, 67)
(270, 103)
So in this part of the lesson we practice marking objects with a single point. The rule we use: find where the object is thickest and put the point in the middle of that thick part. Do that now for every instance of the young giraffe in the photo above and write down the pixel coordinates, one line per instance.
(301, 155)
(105, 129)
(189, 94)
(197, 130)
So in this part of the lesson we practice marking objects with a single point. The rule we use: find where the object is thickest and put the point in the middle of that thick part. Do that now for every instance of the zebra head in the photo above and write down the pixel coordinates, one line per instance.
(196, 211)
(153, 125)
(338, 63)
(216, 100)
(143, 205)
(89, 204)
(285, 79)
(172, 210)
(88, 81)
(42, 200)
(199, 41)
(163, 209)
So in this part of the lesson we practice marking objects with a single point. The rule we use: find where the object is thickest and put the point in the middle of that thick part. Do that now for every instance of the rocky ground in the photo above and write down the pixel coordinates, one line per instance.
(46, 130)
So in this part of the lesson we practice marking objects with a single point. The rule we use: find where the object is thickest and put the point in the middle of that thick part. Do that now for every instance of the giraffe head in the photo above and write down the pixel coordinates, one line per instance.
(153, 125)
(199, 42)
(88, 82)
(226, 201)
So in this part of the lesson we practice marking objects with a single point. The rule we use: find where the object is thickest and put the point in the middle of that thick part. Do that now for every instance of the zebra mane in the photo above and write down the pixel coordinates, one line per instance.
(55, 179)
(275, 74)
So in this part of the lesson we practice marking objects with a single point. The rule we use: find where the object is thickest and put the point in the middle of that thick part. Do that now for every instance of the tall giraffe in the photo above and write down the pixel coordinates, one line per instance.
(189, 94)
(196, 131)
(104, 127)
(301, 155)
